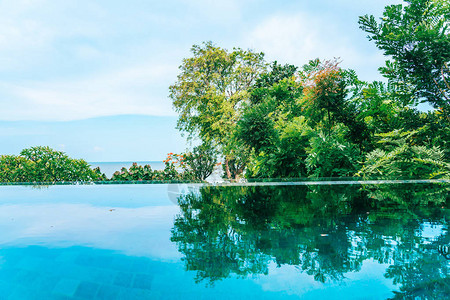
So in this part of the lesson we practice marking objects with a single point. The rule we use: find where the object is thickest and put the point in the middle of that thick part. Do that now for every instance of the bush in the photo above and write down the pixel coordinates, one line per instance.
(135, 172)
(405, 162)
(200, 162)
(400, 158)
(330, 155)
(287, 158)
(14, 168)
(43, 164)
(174, 170)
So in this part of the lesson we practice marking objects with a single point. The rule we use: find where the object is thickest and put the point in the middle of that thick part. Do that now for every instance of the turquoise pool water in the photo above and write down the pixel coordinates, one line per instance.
(193, 242)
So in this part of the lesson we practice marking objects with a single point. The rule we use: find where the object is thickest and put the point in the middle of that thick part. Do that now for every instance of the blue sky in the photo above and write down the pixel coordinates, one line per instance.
(68, 61)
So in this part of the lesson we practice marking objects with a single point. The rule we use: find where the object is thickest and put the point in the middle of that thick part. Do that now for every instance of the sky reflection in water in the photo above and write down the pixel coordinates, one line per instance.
(317, 242)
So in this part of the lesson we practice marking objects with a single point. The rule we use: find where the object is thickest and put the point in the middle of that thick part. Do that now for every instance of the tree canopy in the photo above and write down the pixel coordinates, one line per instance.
(320, 120)
(210, 90)
(417, 38)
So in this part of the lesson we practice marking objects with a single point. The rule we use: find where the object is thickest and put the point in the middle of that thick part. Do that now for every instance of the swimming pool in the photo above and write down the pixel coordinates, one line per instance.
(231, 242)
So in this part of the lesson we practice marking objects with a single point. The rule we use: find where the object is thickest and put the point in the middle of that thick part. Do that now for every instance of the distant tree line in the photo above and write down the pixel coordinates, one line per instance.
(42, 164)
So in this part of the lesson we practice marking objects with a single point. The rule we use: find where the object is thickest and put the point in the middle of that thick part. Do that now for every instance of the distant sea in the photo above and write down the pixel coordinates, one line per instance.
(110, 167)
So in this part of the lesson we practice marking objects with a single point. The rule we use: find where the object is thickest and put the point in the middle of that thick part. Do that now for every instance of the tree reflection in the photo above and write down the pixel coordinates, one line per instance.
(326, 231)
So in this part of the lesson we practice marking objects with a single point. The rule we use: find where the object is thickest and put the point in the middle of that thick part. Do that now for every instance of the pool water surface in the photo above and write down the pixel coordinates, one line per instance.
(167, 241)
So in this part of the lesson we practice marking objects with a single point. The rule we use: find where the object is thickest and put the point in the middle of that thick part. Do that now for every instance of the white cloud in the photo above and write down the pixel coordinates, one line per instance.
(74, 59)
(33, 32)
(287, 37)
(98, 149)
(21, 35)
(298, 38)
(140, 89)
(66, 60)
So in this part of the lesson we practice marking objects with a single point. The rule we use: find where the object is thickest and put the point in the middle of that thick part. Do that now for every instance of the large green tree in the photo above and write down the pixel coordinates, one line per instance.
(416, 37)
(270, 128)
(209, 93)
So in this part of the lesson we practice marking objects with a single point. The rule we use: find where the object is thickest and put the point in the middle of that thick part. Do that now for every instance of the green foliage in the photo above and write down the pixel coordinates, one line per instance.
(256, 128)
(210, 90)
(378, 106)
(173, 170)
(321, 120)
(400, 158)
(43, 164)
(434, 130)
(195, 165)
(417, 38)
(266, 83)
(279, 126)
(324, 93)
(272, 127)
(15, 169)
(200, 161)
(331, 155)
(134, 173)
(286, 158)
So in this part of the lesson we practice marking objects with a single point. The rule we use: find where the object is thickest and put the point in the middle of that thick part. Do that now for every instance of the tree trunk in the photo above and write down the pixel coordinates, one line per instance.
(227, 168)
(238, 174)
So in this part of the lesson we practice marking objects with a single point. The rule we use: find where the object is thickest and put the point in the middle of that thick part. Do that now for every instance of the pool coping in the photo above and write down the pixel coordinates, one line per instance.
(242, 183)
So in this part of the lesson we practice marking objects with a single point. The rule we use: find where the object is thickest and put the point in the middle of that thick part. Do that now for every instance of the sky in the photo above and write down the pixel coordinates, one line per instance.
(73, 72)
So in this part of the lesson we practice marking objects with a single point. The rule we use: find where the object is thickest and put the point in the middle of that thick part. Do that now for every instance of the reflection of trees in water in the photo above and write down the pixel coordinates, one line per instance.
(396, 237)
(420, 272)
(326, 231)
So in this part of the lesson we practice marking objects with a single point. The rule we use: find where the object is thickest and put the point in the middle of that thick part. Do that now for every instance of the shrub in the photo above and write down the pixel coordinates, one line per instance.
(135, 172)
(287, 158)
(200, 162)
(400, 158)
(330, 155)
(173, 170)
(43, 164)
(14, 168)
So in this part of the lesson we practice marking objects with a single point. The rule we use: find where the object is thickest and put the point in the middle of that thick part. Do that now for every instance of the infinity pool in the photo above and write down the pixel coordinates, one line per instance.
(232, 242)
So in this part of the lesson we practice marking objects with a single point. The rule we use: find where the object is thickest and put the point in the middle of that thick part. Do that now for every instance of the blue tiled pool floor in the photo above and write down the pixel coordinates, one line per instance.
(37, 272)
(76, 273)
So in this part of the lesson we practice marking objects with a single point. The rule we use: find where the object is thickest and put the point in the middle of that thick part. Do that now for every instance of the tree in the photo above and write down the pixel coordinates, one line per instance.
(324, 91)
(291, 113)
(328, 100)
(201, 161)
(417, 38)
(43, 164)
(271, 125)
(210, 91)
